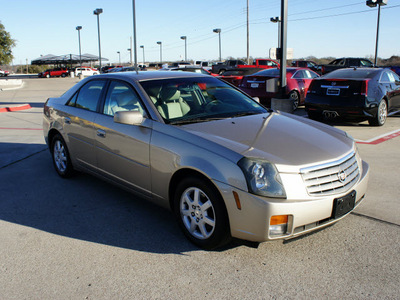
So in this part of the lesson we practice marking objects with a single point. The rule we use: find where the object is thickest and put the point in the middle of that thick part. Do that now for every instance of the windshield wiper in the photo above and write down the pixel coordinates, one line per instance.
(197, 120)
(245, 113)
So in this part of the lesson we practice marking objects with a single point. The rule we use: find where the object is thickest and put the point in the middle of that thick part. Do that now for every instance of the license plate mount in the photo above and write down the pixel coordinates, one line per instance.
(333, 92)
(343, 205)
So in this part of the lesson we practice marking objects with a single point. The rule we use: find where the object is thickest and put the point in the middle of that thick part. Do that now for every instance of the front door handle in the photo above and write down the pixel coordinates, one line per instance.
(101, 133)
(67, 120)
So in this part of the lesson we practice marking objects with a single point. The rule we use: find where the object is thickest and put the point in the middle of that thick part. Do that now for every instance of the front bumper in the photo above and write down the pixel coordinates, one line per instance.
(252, 221)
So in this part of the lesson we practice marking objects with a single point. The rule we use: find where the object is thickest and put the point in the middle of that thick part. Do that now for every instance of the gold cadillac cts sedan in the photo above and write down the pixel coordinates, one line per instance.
(225, 165)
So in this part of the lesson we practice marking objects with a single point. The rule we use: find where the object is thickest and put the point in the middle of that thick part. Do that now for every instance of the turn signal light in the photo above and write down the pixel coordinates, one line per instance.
(278, 220)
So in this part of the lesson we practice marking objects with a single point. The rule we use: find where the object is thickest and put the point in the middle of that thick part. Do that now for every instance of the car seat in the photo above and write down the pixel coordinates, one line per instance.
(170, 104)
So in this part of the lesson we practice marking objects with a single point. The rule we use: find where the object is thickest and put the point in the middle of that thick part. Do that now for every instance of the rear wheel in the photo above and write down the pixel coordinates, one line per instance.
(381, 115)
(294, 95)
(63, 75)
(61, 158)
(201, 213)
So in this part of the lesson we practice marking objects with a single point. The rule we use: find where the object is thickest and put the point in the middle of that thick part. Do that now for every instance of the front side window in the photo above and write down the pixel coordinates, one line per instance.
(121, 97)
(88, 96)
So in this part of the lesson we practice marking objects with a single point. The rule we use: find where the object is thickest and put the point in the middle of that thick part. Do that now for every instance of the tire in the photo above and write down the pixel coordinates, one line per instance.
(63, 75)
(381, 115)
(201, 213)
(61, 158)
(294, 95)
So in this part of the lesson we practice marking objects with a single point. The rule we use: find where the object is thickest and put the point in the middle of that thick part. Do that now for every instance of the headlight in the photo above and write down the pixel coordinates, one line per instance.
(262, 178)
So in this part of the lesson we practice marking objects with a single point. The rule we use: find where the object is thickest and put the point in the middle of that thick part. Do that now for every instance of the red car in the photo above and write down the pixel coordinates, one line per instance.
(235, 76)
(298, 81)
(57, 72)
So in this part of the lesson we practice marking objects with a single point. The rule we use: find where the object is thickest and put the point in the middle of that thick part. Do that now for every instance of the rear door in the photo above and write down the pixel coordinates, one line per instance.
(78, 120)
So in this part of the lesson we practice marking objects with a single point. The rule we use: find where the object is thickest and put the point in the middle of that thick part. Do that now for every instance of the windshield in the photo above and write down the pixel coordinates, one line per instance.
(192, 100)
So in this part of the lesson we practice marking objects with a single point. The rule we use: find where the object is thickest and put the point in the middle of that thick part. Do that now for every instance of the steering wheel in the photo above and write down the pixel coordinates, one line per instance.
(211, 104)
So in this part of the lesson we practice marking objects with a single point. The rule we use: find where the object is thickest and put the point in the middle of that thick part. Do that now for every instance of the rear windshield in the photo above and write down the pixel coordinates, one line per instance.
(353, 73)
(268, 72)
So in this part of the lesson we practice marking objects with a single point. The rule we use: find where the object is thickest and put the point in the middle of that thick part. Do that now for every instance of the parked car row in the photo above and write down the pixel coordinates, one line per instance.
(64, 72)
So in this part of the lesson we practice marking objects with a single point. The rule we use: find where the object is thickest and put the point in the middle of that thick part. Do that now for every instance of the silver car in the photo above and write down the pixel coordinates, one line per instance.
(225, 165)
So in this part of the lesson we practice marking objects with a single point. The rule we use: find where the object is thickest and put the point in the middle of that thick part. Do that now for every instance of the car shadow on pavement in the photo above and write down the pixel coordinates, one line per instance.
(86, 208)
(32, 104)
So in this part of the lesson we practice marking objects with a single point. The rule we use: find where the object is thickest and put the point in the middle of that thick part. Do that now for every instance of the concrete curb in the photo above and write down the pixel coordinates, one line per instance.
(11, 84)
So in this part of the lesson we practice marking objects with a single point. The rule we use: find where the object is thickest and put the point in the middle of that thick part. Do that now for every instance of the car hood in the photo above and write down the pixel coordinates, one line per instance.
(288, 141)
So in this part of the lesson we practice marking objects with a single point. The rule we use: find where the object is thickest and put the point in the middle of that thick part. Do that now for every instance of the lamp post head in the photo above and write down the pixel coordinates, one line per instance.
(374, 3)
(141, 46)
(129, 49)
(275, 20)
(98, 11)
(118, 52)
(78, 27)
(217, 30)
(183, 37)
(159, 43)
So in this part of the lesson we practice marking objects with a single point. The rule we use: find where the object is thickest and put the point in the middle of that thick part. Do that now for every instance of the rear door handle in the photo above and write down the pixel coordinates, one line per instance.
(67, 120)
(101, 133)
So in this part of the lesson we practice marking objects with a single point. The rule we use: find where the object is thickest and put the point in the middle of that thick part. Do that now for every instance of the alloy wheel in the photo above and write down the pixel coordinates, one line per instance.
(197, 213)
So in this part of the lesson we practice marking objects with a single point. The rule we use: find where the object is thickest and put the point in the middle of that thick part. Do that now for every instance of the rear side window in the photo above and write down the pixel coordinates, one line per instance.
(385, 77)
(88, 96)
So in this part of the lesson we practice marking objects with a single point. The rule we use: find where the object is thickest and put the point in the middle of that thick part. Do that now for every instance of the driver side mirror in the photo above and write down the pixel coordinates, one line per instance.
(129, 117)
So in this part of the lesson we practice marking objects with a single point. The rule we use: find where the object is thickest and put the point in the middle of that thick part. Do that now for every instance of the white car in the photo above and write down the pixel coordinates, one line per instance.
(86, 71)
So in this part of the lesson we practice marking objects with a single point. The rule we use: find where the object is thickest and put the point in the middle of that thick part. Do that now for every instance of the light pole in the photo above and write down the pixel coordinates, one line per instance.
(277, 20)
(130, 53)
(160, 43)
(374, 3)
(144, 61)
(184, 38)
(79, 39)
(97, 12)
(218, 30)
(119, 54)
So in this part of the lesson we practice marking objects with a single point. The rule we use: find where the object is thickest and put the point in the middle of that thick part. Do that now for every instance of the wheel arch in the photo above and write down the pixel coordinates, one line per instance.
(51, 135)
(184, 173)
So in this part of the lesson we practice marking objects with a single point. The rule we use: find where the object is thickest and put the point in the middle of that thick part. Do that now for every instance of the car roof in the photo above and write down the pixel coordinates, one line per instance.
(149, 75)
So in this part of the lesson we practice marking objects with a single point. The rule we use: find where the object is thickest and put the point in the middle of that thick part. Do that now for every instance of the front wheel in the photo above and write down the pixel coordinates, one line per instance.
(61, 158)
(201, 213)
(381, 115)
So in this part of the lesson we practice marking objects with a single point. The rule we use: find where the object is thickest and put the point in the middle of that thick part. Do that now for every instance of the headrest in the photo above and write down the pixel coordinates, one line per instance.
(125, 98)
(169, 93)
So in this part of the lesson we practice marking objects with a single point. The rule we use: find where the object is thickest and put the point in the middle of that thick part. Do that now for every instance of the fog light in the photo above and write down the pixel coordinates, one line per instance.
(278, 225)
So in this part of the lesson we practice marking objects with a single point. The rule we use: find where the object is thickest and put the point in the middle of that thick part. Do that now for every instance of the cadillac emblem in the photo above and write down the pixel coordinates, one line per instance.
(342, 176)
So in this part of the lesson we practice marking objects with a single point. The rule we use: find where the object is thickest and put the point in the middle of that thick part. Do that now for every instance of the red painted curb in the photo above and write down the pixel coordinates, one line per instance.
(15, 108)
(381, 139)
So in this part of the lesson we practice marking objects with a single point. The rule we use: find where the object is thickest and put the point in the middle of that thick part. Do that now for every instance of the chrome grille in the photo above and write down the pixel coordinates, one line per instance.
(333, 178)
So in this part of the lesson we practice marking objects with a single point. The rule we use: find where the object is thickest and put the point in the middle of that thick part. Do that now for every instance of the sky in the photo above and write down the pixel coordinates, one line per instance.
(318, 28)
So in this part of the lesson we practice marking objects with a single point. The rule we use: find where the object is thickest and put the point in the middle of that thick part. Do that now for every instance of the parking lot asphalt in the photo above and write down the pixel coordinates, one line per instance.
(85, 239)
